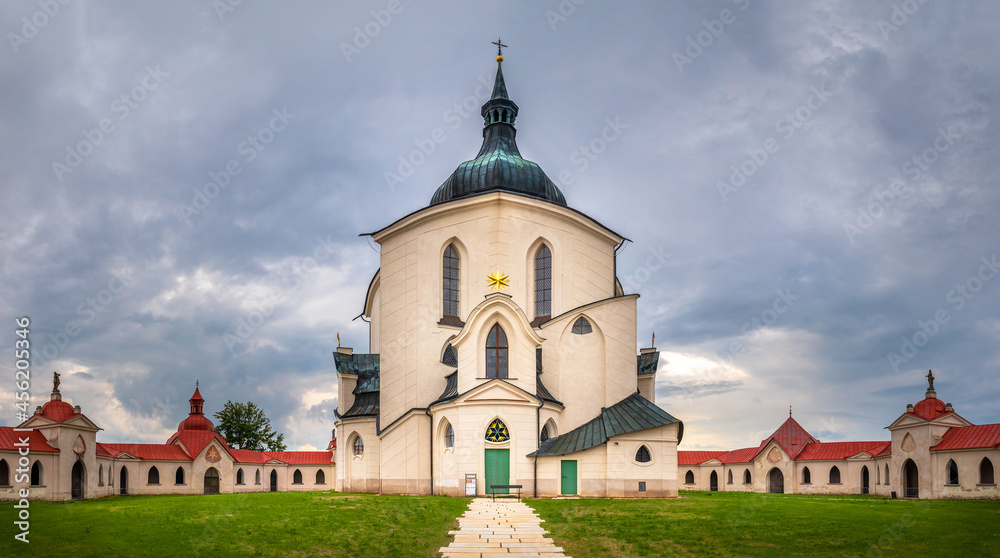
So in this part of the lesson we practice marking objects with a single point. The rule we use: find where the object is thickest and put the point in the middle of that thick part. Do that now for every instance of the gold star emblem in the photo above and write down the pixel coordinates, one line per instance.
(498, 280)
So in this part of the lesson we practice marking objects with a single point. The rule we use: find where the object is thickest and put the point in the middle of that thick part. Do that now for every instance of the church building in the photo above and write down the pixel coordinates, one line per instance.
(932, 453)
(502, 346)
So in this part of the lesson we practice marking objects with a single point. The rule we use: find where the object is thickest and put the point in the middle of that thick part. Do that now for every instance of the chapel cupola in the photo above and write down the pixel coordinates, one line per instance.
(196, 418)
(499, 165)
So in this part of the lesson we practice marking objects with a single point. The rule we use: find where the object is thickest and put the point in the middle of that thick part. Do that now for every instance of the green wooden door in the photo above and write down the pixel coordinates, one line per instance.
(569, 476)
(497, 469)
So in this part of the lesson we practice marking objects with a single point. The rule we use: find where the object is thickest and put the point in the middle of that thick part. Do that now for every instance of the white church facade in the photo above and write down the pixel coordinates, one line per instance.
(502, 346)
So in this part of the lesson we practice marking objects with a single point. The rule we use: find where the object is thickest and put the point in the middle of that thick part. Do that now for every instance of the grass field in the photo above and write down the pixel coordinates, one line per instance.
(264, 524)
(741, 524)
(332, 524)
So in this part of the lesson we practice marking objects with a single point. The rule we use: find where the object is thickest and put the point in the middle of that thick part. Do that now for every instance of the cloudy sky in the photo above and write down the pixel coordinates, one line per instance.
(810, 188)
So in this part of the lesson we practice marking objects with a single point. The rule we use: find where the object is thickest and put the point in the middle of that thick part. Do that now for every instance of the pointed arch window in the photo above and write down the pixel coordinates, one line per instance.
(689, 477)
(450, 356)
(100, 474)
(543, 282)
(179, 476)
(36, 474)
(886, 473)
(835, 475)
(806, 476)
(582, 327)
(154, 476)
(642, 455)
(952, 470)
(450, 282)
(256, 478)
(359, 446)
(497, 432)
(449, 437)
(239, 476)
(496, 353)
(5, 473)
(297, 477)
(746, 476)
(544, 434)
(986, 471)
(729, 478)
(320, 477)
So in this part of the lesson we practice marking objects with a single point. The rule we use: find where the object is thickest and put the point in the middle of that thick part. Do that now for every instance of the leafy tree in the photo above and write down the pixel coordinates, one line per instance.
(244, 426)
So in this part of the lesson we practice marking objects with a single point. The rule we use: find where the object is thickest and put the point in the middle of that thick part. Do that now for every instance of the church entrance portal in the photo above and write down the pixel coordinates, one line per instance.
(211, 481)
(123, 481)
(911, 482)
(776, 481)
(713, 482)
(497, 469)
(78, 480)
(274, 480)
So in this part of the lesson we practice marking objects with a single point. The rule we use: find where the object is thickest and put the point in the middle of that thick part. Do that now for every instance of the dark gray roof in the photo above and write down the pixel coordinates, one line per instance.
(632, 414)
(366, 391)
(450, 389)
(646, 364)
(364, 366)
(543, 393)
(499, 165)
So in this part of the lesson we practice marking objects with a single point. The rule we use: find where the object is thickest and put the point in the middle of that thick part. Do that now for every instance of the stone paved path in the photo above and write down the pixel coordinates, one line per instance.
(502, 528)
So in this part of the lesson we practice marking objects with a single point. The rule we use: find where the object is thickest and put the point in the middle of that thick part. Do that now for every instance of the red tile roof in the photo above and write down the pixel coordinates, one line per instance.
(196, 440)
(36, 440)
(59, 411)
(791, 437)
(152, 452)
(840, 450)
(930, 409)
(248, 456)
(968, 437)
(103, 451)
(301, 457)
(697, 457)
(744, 455)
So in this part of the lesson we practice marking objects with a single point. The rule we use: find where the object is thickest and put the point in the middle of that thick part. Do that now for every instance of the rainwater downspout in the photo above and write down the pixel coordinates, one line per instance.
(428, 413)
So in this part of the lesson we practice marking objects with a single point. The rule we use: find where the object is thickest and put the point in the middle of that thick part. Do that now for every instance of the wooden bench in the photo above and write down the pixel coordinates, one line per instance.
(495, 487)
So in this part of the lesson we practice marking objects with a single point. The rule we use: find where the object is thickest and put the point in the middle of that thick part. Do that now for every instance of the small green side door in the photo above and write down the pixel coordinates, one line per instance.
(568, 476)
(497, 469)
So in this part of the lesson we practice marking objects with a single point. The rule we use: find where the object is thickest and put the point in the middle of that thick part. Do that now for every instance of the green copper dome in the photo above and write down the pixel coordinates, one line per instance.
(498, 166)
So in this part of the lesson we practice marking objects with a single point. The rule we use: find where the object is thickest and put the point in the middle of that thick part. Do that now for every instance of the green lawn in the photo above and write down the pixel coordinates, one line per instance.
(739, 524)
(263, 524)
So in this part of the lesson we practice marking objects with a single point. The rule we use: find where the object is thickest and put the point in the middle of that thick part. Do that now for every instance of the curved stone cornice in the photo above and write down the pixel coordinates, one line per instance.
(497, 302)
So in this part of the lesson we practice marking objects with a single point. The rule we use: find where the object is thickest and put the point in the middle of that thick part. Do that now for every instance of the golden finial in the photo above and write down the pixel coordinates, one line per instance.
(498, 280)
(654, 340)
(338, 339)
